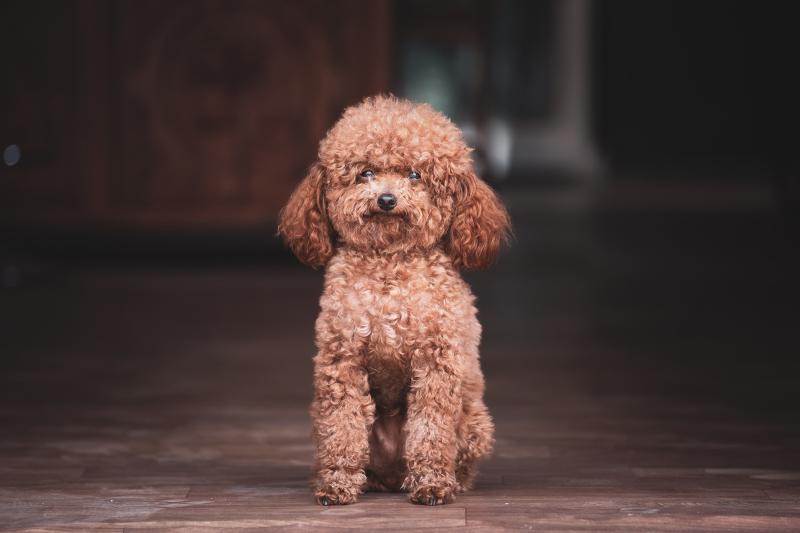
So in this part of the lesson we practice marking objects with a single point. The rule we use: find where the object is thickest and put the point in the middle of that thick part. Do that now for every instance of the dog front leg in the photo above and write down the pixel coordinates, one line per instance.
(434, 402)
(342, 413)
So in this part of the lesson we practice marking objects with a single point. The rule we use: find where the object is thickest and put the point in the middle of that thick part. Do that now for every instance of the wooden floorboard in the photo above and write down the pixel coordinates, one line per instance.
(639, 380)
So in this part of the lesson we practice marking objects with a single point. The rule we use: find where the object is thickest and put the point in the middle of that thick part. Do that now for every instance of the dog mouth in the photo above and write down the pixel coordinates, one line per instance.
(385, 215)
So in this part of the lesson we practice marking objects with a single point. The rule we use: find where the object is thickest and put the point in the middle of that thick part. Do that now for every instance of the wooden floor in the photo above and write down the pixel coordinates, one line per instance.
(642, 370)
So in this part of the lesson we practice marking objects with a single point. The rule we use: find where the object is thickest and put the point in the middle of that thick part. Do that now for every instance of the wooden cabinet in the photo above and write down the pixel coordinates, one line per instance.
(181, 114)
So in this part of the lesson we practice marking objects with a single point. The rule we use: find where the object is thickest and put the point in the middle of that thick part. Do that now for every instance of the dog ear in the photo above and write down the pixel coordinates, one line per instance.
(303, 222)
(480, 224)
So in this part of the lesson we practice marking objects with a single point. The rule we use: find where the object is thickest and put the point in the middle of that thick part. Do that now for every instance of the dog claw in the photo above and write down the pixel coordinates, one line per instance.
(432, 500)
(324, 501)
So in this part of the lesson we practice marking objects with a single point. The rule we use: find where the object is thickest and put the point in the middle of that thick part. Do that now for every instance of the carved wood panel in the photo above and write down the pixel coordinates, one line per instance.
(38, 91)
(207, 112)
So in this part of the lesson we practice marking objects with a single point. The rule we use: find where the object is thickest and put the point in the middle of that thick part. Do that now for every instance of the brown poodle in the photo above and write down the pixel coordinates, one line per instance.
(393, 208)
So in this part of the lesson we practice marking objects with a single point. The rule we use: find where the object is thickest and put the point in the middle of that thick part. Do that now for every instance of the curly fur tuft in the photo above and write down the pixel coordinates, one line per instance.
(304, 223)
(480, 225)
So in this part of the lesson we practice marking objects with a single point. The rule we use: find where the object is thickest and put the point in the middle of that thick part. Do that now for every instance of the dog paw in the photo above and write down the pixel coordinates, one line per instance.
(338, 487)
(328, 497)
(432, 495)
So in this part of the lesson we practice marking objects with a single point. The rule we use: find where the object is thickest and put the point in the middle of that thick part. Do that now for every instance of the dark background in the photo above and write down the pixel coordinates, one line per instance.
(197, 118)
(640, 333)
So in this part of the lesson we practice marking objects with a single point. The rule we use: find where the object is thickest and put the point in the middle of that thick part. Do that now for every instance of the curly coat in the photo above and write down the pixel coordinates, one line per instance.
(398, 402)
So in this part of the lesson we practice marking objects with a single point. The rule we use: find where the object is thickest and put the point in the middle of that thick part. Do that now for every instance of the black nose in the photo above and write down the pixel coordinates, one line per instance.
(387, 201)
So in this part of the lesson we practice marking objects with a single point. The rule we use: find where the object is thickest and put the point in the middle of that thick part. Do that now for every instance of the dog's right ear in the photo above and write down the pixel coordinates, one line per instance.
(303, 222)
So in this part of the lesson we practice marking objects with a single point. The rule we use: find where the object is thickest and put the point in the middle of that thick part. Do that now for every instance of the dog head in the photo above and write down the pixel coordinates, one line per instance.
(394, 176)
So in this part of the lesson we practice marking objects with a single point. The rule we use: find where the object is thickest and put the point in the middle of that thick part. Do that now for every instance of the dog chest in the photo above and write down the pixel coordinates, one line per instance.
(392, 306)
(391, 310)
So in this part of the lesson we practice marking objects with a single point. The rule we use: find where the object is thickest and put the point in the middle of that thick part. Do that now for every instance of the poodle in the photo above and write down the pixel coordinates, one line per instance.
(393, 209)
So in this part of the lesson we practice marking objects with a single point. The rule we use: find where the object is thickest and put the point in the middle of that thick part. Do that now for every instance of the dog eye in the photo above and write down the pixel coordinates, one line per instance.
(367, 174)
(413, 175)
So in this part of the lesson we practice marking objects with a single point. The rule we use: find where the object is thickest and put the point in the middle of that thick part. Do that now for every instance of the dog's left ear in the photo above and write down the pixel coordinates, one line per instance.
(303, 223)
(480, 224)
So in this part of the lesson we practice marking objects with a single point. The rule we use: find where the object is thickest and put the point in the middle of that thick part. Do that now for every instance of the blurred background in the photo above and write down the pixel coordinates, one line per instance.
(647, 152)
(199, 117)
(125, 122)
